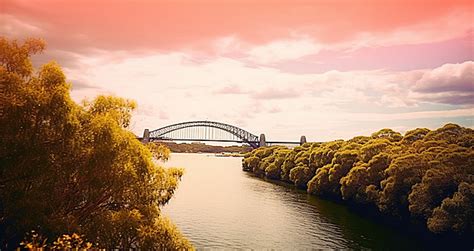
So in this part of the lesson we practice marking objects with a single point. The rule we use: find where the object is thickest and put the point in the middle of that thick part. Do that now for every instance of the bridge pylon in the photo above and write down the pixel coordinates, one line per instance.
(263, 141)
(302, 140)
(146, 136)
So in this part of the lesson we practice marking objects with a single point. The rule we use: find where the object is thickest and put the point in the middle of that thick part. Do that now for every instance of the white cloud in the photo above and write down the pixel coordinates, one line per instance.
(283, 50)
(446, 78)
(227, 44)
(272, 93)
(173, 88)
(446, 84)
(230, 89)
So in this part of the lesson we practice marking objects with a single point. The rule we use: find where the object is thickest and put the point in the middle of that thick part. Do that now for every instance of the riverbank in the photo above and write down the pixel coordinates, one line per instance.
(217, 206)
(197, 147)
(419, 180)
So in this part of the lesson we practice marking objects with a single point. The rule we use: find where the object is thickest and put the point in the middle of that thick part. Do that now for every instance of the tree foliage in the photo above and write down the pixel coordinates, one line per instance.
(198, 147)
(424, 174)
(69, 168)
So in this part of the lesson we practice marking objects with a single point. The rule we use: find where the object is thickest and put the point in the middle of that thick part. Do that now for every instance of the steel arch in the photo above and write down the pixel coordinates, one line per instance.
(242, 134)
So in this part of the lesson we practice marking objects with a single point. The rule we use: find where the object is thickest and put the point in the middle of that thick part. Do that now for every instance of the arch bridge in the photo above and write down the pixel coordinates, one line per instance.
(210, 131)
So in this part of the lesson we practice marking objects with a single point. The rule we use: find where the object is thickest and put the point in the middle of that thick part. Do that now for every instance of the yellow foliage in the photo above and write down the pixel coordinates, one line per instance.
(69, 168)
(415, 175)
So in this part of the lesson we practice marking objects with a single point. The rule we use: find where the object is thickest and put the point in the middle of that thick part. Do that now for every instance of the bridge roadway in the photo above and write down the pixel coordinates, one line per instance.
(210, 131)
(198, 140)
(223, 140)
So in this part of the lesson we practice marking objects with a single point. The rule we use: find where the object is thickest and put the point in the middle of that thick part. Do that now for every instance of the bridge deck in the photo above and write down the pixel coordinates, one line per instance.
(222, 140)
(226, 140)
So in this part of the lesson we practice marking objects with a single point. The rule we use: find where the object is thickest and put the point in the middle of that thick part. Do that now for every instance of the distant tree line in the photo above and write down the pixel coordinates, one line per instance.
(204, 148)
(72, 176)
(423, 175)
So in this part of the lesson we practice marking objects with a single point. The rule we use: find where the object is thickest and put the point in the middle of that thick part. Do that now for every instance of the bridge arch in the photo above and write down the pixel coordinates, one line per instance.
(243, 135)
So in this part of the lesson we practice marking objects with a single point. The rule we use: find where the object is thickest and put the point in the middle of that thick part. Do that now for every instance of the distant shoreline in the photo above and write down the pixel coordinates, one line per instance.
(223, 151)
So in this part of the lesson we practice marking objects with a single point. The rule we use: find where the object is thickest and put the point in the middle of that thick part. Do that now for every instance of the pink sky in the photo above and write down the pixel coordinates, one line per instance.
(326, 69)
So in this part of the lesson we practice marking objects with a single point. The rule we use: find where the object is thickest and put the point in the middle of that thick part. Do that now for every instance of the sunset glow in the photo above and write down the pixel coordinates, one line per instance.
(340, 68)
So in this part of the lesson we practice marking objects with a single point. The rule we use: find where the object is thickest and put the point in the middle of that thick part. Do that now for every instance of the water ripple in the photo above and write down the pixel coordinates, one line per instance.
(217, 206)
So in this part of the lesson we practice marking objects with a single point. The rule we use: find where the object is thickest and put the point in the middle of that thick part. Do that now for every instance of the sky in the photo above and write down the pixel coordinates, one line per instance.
(326, 69)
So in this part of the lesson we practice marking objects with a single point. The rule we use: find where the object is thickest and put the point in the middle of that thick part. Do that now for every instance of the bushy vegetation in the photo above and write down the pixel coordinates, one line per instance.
(74, 170)
(203, 148)
(424, 175)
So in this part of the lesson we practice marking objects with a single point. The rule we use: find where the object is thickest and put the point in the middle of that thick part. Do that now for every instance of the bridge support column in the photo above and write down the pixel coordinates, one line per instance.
(146, 136)
(263, 142)
(302, 140)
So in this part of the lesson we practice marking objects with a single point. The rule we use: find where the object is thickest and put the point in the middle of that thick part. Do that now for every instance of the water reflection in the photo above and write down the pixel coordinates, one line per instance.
(219, 206)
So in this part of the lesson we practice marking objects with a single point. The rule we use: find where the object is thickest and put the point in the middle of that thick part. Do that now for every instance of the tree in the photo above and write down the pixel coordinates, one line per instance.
(319, 184)
(372, 148)
(451, 167)
(414, 135)
(273, 171)
(250, 163)
(451, 133)
(300, 176)
(456, 213)
(288, 165)
(402, 174)
(387, 134)
(425, 174)
(66, 168)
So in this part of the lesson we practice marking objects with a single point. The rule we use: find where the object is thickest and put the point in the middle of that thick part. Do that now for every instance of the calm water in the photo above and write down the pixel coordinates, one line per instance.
(219, 206)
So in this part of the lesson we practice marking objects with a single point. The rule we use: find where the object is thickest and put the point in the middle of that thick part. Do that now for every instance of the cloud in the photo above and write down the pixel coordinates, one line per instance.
(275, 109)
(273, 93)
(227, 45)
(66, 59)
(230, 89)
(13, 27)
(81, 84)
(163, 26)
(453, 24)
(455, 98)
(393, 57)
(283, 50)
(266, 95)
(447, 84)
(448, 78)
(310, 67)
(466, 112)
(311, 38)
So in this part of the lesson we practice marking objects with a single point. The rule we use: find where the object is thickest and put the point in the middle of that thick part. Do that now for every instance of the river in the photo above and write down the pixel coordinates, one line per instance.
(217, 205)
